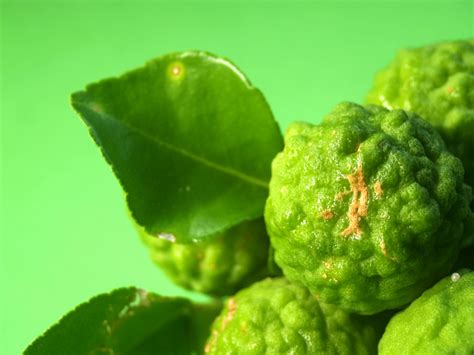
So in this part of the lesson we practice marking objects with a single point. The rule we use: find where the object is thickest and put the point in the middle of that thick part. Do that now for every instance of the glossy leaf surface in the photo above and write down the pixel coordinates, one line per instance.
(189, 138)
(129, 321)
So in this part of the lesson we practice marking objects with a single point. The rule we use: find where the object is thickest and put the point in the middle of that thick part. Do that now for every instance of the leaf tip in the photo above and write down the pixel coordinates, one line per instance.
(77, 98)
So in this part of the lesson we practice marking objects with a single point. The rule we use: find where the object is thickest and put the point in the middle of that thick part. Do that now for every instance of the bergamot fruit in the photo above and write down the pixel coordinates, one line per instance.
(220, 266)
(366, 209)
(436, 82)
(441, 321)
(274, 316)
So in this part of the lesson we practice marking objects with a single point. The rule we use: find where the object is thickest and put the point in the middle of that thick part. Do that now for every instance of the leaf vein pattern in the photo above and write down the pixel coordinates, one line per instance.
(223, 169)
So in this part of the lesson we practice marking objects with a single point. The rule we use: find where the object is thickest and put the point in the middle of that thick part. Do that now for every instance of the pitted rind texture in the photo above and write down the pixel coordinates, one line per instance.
(441, 321)
(436, 82)
(276, 317)
(366, 209)
(218, 267)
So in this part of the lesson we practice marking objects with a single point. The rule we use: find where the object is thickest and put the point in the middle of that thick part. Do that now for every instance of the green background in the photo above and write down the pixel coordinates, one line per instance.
(64, 232)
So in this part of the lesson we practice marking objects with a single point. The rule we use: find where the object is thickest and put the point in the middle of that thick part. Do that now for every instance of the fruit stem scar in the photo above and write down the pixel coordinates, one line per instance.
(358, 207)
(327, 214)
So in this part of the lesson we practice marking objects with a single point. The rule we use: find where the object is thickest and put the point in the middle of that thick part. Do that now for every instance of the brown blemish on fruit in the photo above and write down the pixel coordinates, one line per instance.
(378, 188)
(211, 342)
(231, 309)
(383, 248)
(327, 214)
(358, 207)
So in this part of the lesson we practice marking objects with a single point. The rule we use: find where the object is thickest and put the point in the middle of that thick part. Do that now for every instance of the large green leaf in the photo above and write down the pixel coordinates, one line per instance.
(189, 138)
(129, 321)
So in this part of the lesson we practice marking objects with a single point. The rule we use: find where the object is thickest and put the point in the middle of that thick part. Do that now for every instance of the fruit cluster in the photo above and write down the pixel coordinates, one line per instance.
(354, 235)
(366, 212)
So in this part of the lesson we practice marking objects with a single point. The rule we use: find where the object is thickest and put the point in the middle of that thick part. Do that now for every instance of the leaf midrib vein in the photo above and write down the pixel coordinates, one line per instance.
(197, 158)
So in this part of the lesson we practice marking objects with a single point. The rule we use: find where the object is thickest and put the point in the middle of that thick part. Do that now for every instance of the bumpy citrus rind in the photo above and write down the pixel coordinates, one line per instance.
(436, 82)
(441, 321)
(221, 266)
(274, 316)
(367, 209)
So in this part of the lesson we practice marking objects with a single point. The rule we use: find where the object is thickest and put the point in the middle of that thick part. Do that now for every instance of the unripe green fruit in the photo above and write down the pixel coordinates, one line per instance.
(436, 82)
(441, 321)
(220, 266)
(274, 316)
(367, 209)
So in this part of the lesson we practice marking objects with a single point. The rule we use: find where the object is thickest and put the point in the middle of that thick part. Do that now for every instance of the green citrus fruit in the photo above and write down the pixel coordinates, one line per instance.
(366, 209)
(274, 316)
(220, 266)
(441, 321)
(436, 82)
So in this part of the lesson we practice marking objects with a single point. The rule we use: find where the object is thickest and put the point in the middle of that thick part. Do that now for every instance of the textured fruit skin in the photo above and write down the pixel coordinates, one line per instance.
(436, 82)
(274, 316)
(218, 267)
(366, 209)
(441, 321)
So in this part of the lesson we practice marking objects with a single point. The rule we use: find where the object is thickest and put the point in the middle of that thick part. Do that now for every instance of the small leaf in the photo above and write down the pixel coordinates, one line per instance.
(189, 138)
(128, 321)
